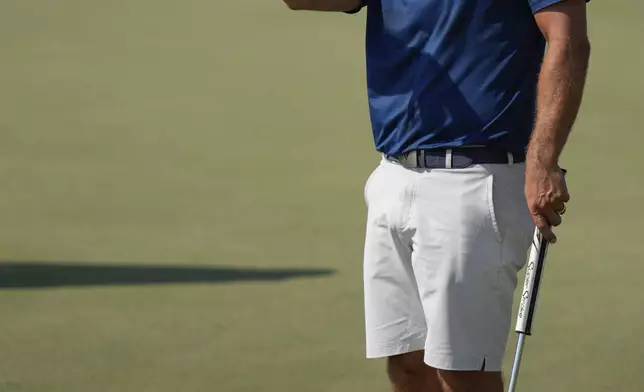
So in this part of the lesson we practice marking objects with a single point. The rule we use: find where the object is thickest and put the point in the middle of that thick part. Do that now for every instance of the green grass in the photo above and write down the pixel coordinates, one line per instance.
(234, 134)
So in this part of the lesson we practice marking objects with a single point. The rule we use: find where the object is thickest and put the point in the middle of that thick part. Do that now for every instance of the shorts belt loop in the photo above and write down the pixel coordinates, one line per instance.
(411, 158)
(421, 160)
(510, 158)
(448, 158)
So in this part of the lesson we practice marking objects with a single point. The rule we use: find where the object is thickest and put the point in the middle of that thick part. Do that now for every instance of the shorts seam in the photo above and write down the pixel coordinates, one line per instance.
(456, 362)
(397, 348)
(402, 343)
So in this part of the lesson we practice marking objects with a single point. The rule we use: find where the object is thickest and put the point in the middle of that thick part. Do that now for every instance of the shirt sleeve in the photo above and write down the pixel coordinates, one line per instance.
(538, 5)
(363, 3)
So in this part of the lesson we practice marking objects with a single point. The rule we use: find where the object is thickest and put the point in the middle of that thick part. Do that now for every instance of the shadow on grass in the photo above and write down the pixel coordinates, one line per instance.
(41, 274)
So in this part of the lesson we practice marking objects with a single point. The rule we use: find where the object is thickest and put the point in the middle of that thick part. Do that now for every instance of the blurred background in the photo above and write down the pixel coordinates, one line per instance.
(181, 203)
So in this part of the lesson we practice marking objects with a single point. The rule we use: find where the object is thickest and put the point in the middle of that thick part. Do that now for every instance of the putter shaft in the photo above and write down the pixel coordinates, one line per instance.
(517, 363)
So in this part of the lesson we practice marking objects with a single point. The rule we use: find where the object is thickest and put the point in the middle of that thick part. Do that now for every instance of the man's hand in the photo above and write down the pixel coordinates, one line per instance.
(560, 90)
(547, 193)
(324, 5)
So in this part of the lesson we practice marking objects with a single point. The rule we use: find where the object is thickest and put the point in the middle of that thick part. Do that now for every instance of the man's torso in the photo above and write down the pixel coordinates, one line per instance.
(449, 73)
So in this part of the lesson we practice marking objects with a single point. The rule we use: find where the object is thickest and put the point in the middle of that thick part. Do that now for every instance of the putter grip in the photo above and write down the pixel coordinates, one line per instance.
(533, 273)
(530, 293)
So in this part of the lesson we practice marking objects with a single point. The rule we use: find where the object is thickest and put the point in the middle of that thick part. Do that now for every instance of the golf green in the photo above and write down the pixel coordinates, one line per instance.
(182, 209)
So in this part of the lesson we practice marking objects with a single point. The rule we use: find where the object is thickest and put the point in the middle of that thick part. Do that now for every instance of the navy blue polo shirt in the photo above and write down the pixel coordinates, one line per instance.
(449, 73)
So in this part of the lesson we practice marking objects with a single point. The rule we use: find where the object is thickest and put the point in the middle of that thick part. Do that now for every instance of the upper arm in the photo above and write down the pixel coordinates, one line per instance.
(325, 5)
(561, 19)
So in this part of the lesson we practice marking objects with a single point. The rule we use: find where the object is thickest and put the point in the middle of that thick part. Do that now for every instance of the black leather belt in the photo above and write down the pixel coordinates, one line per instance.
(455, 158)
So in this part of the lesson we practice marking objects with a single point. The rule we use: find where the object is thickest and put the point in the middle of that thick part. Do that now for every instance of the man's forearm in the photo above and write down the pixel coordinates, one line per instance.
(560, 91)
(324, 5)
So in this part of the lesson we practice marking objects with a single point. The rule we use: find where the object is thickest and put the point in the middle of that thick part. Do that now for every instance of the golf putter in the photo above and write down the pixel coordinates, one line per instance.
(529, 295)
(527, 305)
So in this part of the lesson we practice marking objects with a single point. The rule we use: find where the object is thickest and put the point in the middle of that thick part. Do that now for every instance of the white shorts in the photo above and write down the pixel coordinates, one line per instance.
(442, 252)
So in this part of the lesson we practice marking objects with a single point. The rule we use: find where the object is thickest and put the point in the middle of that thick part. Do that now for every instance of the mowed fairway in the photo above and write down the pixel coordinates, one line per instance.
(181, 203)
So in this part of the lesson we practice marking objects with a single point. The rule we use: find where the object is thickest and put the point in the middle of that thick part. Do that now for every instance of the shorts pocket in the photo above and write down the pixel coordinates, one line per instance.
(509, 214)
(491, 208)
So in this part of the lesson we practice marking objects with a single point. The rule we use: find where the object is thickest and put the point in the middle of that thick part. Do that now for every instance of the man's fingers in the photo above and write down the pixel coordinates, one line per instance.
(559, 208)
(565, 196)
(553, 218)
(544, 227)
